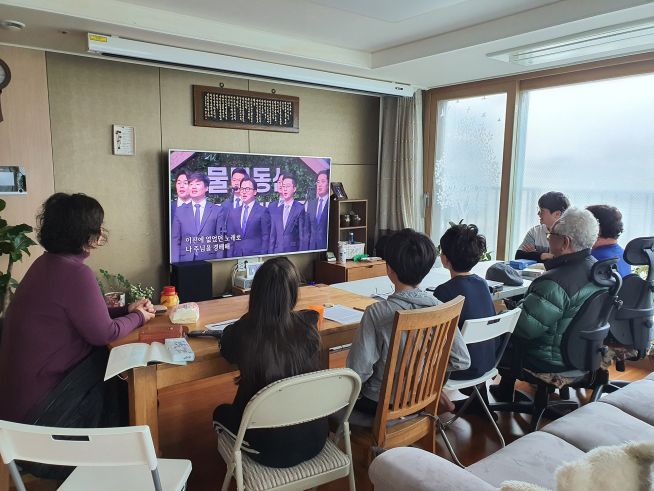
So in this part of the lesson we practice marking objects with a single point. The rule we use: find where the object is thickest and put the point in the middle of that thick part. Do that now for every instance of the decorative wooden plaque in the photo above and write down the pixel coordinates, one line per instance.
(241, 109)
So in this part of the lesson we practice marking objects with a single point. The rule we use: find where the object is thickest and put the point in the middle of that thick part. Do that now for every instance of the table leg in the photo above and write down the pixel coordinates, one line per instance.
(143, 400)
(4, 476)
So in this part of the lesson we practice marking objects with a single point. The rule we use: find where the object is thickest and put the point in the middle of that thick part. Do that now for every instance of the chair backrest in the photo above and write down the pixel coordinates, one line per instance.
(417, 361)
(583, 340)
(480, 330)
(301, 398)
(129, 445)
(631, 323)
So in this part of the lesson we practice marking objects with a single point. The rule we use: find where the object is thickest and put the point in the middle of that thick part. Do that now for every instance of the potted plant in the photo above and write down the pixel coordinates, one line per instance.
(13, 242)
(119, 291)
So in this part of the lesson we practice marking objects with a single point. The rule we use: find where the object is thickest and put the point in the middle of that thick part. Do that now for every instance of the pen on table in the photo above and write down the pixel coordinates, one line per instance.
(360, 309)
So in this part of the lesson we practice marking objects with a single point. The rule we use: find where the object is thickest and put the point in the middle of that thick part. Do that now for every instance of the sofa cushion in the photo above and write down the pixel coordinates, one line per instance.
(598, 424)
(413, 469)
(650, 376)
(636, 399)
(532, 458)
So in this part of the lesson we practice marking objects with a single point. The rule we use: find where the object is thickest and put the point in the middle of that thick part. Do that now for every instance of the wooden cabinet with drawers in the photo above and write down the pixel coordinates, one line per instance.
(330, 273)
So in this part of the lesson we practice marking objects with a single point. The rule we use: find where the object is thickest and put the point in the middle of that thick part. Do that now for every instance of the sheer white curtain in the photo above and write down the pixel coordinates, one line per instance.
(400, 202)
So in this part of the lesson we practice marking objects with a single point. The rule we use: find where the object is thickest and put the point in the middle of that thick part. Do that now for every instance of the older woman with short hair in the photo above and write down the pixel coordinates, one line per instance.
(554, 298)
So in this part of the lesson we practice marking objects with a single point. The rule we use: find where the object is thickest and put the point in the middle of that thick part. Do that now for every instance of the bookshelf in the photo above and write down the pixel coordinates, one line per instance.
(341, 233)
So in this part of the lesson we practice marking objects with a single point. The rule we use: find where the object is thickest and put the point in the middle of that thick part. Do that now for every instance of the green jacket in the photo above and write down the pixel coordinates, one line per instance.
(551, 303)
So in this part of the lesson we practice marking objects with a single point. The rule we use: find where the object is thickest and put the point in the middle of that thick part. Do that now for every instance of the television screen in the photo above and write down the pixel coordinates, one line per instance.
(228, 205)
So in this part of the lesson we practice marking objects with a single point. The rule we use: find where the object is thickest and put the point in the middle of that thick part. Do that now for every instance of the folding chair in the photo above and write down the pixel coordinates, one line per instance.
(477, 331)
(106, 458)
(287, 402)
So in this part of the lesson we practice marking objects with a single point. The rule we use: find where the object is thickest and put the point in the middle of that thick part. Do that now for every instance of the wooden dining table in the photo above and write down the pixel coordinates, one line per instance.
(144, 383)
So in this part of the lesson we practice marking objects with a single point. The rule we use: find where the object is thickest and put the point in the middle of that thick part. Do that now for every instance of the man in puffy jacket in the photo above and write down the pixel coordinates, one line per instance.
(553, 299)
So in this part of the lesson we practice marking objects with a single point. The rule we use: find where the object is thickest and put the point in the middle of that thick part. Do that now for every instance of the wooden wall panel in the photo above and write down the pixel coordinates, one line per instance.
(25, 139)
(87, 96)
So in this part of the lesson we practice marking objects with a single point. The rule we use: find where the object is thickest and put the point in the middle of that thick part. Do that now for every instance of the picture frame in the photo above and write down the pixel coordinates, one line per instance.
(338, 190)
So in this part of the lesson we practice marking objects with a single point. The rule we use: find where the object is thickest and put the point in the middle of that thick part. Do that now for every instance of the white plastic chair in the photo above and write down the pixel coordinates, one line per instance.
(288, 402)
(476, 331)
(106, 458)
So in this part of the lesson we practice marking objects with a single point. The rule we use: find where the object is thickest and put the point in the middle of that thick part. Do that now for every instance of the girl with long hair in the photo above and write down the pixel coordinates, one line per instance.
(269, 343)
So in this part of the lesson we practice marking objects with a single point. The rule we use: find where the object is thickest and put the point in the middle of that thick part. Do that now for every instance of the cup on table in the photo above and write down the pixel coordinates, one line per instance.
(321, 313)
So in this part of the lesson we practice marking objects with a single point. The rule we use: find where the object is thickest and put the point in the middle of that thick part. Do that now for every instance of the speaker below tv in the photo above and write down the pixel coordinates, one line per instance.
(193, 281)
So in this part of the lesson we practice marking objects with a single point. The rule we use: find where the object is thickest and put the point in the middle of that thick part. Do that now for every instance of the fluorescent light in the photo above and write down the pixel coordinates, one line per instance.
(593, 44)
(127, 48)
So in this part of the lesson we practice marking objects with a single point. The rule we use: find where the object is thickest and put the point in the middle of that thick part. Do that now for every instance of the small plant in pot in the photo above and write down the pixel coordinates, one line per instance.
(118, 291)
(14, 242)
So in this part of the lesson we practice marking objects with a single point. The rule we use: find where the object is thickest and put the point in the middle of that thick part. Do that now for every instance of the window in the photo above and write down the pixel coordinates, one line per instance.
(468, 164)
(592, 141)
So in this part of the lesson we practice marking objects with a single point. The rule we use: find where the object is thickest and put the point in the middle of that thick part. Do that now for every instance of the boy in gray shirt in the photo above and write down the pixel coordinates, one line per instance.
(409, 256)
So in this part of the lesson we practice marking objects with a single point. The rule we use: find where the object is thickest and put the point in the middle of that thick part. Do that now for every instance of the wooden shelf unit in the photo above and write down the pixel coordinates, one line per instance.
(338, 233)
(333, 272)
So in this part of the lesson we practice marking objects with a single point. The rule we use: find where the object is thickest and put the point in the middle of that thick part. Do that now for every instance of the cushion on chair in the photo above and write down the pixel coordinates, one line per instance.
(636, 399)
(414, 469)
(533, 458)
(598, 424)
(258, 477)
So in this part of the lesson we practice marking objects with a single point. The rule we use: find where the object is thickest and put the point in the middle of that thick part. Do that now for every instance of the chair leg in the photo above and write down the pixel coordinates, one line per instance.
(348, 451)
(228, 477)
(490, 416)
(238, 470)
(441, 430)
(459, 412)
(541, 400)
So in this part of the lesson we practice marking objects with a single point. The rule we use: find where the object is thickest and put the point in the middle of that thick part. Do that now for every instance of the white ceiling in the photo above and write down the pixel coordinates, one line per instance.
(428, 43)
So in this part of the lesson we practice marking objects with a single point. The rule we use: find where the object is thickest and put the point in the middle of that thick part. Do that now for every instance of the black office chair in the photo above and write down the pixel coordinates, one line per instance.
(630, 334)
(582, 348)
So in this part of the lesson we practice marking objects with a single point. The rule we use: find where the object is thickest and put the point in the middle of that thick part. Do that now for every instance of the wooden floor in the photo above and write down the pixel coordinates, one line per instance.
(185, 415)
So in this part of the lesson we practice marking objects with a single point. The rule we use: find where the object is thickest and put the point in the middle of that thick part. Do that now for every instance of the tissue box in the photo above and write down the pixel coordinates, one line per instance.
(521, 263)
(185, 313)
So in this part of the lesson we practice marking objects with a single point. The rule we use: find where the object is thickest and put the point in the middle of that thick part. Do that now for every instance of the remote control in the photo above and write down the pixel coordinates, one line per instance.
(179, 349)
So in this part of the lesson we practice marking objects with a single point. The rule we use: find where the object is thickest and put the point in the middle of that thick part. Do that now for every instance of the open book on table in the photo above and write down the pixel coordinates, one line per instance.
(131, 355)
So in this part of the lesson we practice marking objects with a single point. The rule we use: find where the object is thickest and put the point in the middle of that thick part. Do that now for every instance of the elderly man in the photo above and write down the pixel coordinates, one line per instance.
(553, 299)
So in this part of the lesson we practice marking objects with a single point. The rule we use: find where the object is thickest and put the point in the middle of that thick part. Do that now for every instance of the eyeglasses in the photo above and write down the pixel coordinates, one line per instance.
(247, 189)
(551, 234)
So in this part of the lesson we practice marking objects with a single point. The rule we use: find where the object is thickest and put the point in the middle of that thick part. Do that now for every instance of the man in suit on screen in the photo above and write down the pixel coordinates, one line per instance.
(182, 191)
(317, 211)
(196, 224)
(251, 222)
(288, 223)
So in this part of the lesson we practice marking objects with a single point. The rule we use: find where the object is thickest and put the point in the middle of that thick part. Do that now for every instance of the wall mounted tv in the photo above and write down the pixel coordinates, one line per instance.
(226, 205)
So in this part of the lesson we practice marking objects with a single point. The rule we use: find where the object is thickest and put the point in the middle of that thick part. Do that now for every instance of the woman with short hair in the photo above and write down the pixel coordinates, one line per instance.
(58, 315)
(269, 343)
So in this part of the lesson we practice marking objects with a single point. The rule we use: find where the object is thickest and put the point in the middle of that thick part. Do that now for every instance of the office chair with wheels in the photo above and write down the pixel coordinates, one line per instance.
(106, 458)
(288, 402)
(630, 334)
(582, 348)
(499, 327)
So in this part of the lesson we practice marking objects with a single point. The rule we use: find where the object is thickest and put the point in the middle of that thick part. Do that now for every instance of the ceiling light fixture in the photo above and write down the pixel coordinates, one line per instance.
(631, 38)
(12, 25)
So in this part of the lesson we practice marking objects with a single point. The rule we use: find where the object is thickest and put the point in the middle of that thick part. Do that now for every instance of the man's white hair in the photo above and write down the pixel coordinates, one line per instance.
(580, 225)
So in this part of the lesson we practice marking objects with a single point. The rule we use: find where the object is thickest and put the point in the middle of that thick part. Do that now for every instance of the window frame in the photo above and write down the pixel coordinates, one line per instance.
(512, 86)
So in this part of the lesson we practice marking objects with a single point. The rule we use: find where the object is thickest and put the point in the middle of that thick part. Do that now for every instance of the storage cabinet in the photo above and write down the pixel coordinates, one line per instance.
(330, 273)
(341, 233)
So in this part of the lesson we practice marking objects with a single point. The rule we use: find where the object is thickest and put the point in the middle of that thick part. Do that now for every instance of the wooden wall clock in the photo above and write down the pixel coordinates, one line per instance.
(5, 77)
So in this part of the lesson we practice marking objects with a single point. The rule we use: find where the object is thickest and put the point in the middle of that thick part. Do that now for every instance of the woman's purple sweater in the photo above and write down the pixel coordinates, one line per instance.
(55, 318)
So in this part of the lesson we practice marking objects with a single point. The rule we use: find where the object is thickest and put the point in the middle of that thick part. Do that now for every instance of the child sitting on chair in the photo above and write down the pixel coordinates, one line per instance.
(409, 256)
(461, 249)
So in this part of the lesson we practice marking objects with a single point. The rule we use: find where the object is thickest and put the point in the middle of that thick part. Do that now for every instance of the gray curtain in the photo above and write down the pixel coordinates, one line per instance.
(400, 197)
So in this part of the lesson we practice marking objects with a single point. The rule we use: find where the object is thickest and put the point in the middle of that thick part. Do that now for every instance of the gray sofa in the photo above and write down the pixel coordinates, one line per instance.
(626, 415)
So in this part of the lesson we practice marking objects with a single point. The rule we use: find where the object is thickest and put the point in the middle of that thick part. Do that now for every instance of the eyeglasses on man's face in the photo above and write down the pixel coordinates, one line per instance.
(553, 234)
(247, 189)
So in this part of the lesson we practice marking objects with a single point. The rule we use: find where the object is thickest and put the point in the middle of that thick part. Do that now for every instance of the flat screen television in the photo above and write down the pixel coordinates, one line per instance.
(226, 205)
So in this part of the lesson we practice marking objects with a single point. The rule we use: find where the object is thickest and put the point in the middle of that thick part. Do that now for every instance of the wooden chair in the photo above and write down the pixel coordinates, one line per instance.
(418, 355)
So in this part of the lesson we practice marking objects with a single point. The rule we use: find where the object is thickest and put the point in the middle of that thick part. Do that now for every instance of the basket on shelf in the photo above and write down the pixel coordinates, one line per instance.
(352, 250)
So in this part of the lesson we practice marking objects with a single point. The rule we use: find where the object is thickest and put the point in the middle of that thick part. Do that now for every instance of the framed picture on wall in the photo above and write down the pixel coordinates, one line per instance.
(338, 190)
(123, 139)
